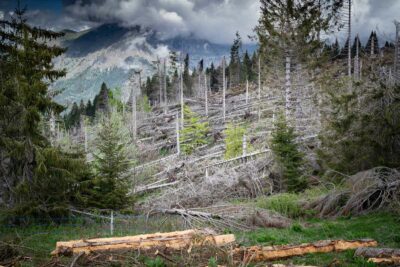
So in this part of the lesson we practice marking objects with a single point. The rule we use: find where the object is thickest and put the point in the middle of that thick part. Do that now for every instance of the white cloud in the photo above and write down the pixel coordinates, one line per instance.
(215, 20)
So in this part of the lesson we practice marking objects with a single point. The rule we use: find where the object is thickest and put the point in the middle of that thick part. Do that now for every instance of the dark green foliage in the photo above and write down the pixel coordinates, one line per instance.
(247, 69)
(354, 47)
(102, 102)
(35, 178)
(59, 180)
(362, 128)
(187, 79)
(372, 43)
(111, 185)
(288, 156)
(194, 132)
(213, 74)
(235, 64)
(293, 28)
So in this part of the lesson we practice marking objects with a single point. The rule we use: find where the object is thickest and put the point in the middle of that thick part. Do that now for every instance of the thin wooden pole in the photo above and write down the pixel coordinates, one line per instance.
(287, 86)
(223, 87)
(134, 118)
(349, 40)
(165, 86)
(244, 146)
(181, 93)
(159, 79)
(112, 223)
(206, 93)
(247, 91)
(178, 145)
(259, 87)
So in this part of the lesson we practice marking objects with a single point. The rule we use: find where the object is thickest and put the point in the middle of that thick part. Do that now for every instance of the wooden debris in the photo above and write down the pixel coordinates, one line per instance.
(257, 253)
(379, 255)
(173, 240)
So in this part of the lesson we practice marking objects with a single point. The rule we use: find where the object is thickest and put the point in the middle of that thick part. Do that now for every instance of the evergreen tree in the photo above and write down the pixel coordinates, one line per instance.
(112, 162)
(194, 132)
(335, 50)
(248, 73)
(288, 156)
(213, 74)
(187, 79)
(372, 46)
(361, 127)
(291, 28)
(354, 47)
(235, 64)
(234, 141)
(101, 101)
(36, 179)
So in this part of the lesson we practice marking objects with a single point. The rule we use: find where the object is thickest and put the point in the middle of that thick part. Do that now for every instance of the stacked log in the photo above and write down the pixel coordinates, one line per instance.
(173, 240)
(386, 256)
(269, 253)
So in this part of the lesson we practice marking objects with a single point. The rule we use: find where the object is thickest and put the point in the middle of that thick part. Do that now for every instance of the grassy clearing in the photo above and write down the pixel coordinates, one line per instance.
(383, 227)
(37, 242)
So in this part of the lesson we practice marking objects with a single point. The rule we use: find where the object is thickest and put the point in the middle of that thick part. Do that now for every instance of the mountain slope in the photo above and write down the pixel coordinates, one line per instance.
(110, 53)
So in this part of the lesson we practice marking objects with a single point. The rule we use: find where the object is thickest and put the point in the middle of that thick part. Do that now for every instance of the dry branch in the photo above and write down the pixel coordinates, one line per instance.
(153, 187)
(173, 240)
(257, 253)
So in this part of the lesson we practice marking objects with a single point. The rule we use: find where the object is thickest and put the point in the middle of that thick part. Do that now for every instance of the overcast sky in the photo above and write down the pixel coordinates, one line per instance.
(215, 20)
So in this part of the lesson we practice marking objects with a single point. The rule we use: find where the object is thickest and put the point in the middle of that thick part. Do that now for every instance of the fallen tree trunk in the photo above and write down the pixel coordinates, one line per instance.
(184, 212)
(257, 253)
(143, 189)
(174, 240)
(379, 255)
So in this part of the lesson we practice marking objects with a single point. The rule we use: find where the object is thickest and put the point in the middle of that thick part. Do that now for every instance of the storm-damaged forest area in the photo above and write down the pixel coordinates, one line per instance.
(281, 152)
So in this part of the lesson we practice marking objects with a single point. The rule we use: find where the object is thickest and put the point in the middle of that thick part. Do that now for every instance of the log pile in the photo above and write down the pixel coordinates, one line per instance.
(269, 253)
(174, 241)
(200, 239)
(386, 256)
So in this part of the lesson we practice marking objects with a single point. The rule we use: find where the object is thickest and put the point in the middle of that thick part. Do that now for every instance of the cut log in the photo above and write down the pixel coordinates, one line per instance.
(386, 261)
(173, 240)
(377, 252)
(257, 253)
(379, 255)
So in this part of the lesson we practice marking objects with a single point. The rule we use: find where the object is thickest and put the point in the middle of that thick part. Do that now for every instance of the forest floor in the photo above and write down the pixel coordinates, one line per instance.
(35, 243)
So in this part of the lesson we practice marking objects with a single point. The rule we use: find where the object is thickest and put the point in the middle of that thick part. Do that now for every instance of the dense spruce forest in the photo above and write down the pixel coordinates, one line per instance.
(295, 142)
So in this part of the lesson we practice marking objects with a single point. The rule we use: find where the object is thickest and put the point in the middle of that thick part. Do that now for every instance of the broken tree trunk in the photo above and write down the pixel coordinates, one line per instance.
(173, 240)
(256, 253)
(379, 255)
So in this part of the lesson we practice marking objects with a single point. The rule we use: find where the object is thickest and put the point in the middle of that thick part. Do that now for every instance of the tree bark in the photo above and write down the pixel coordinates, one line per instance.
(256, 253)
(173, 240)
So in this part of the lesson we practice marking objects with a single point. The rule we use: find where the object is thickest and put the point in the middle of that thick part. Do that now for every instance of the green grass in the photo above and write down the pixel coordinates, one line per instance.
(383, 227)
(38, 241)
(290, 204)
